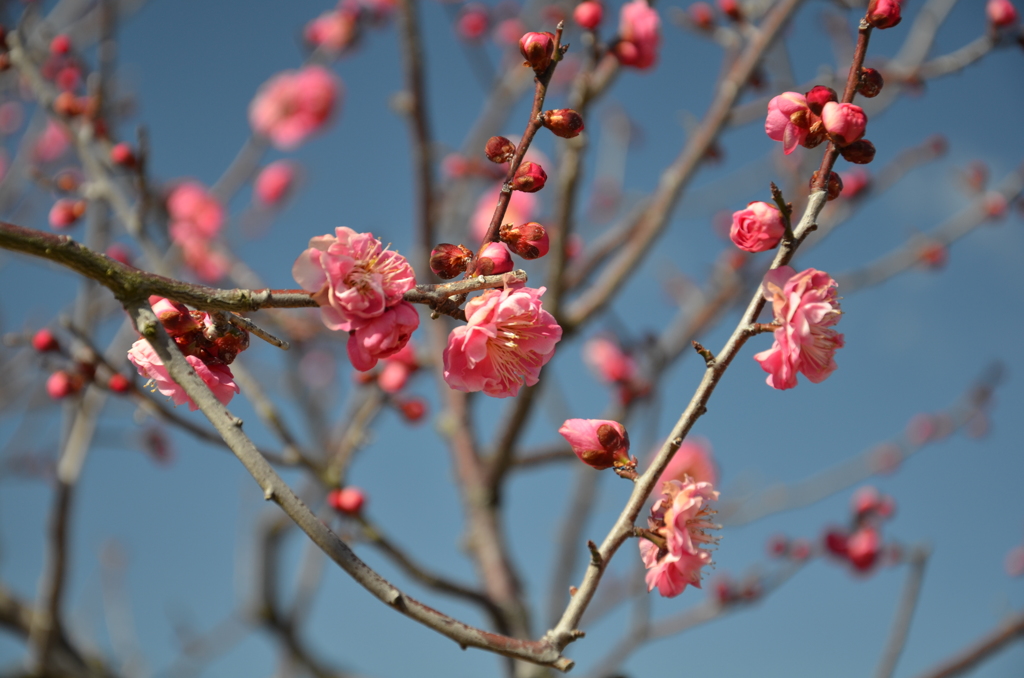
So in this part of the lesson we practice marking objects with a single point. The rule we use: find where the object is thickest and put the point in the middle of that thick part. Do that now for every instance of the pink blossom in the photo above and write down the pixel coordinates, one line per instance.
(62, 384)
(397, 369)
(1001, 13)
(293, 105)
(608, 361)
(854, 182)
(806, 307)
(352, 277)
(274, 182)
(758, 228)
(845, 122)
(681, 519)
(599, 443)
(348, 500)
(494, 258)
(216, 376)
(473, 22)
(51, 143)
(333, 31)
(65, 212)
(208, 263)
(863, 548)
(789, 119)
(521, 208)
(640, 33)
(381, 336)
(194, 212)
(693, 459)
(588, 14)
(508, 339)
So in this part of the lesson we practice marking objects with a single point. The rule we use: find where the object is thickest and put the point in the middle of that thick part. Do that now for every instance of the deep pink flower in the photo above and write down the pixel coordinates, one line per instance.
(217, 376)
(863, 548)
(599, 443)
(640, 33)
(62, 384)
(845, 122)
(293, 105)
(508, 338)
(883, 13)
(789, 119)
(681, 518)
(1001, 13)
(274, 182)
(537, 49)
(608, 361)
(693, 459)
(382, 336)
(806, 307)
(194, 211)
(352, 277)
(757, 228)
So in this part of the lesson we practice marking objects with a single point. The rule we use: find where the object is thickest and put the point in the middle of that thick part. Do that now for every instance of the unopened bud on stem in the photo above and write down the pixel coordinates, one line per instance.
(499, 149)
(563, 122)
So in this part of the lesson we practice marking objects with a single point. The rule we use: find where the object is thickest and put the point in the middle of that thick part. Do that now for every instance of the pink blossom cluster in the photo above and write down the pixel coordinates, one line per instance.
(208, 347)
(804, 120)
(639, 35)
(679, 523)
(506, 341)
(359, 285)
(292, 105)
(196, 217)
(805, 307)
(860, 545)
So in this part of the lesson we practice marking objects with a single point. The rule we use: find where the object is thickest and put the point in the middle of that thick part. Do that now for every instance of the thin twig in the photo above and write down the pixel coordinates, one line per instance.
(904, 613)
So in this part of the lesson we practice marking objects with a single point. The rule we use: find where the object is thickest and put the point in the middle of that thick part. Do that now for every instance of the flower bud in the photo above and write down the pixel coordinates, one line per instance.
(447, 261)
(702, 16)
(118, 383)
(757, 228)
(845, 122)
(871, 83)
(274, 182)
(494, 258)
(834, 186)
(819, 96)
(863, 547)
(563, 122)
(60, 45)
(1001, 13)
(499, 149)
(175, 317)
(883, 13)
(859, 152)
(537, 49)
(412, 410)
(588, 14)
(44, 341)
(835, 542)
(529, 178)
(121, 154)
(66, 212)
(62, 384)
(730, 8)
(530, 241)
(598, 443)
(473, 22)
(67, 104)
(348, 500)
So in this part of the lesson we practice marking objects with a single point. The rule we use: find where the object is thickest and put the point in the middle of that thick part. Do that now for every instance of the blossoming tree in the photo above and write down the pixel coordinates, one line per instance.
(512, 263)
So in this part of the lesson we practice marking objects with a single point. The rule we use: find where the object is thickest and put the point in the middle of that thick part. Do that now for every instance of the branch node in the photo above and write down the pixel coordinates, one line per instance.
(268, 493)
(595, 555)
(709, 357)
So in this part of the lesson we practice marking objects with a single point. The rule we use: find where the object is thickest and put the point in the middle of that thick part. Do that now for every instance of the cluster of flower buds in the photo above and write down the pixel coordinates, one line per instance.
(808, 119)
(63, 383)
(781, 546)
(861, 544)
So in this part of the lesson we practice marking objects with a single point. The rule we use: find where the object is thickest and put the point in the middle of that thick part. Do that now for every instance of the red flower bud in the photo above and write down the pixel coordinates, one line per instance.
(413, 409)
(702, 16)
(834, 186)
(499, 149)
(530, 241)
(60, 45)
(1001, 13)
(883, 13)
(529, 178)
(118, 383)
(68, 104)
(730, 8)
(66, 212)
(859, 152)
(588, 14)
(835, 542)
(819, 96)
(537, 49)
(121, 154)
(62, 384)
(348, 500)
(44, 341)
(563, 122)
(447, 261)
(863, 547)
(871, 83)
(473, 22)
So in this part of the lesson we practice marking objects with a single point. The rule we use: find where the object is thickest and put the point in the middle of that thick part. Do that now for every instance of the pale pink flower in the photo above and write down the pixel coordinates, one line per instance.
(680, 518)
(789, 119)
(1001, 13)
(693, 459)
(216, 376)
(352, 277)
(294, 104)
(507, 340)
(608, 361)
(845, 122)
(274, 182)
(640, 33)
(806, 307)
(397, 369)
(599, 443)
(381, 336)
(757, 228)
(194, 211)
(521, 208)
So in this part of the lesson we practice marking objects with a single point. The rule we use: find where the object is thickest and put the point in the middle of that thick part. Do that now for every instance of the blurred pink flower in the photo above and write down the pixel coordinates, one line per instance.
(845, 122)
(806, 307)
(194, 212)
(333, 31)
(521, 209)
(216, 376)
(854, 182)
(640, 33)
(789, 119)
(694, 461)
(208, 263)
(352, 277)
(757, 228)
(608, 361)
(599, 443)
(294, 104)
(508, 339)
(51, 143)
(398, 367)
(274, 182)
(1001, 13)
(681, 518)
(381, 336)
